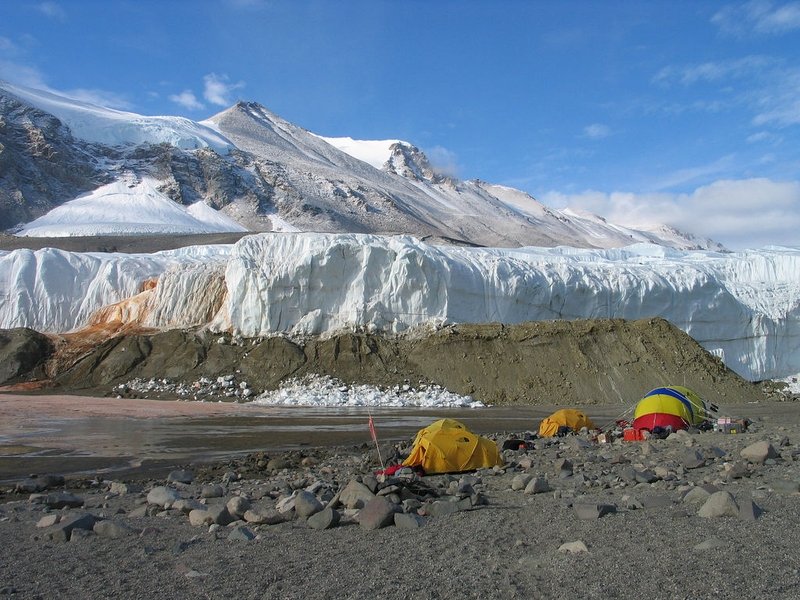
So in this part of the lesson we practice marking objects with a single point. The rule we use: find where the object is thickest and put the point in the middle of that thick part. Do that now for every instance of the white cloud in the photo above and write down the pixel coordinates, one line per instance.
(94, 96)
(21, 74)
(6, 45)
(739, 213)
(443, 161)
(713, 70)
(597, 131)
(780, 102)
(187, 99)
(217, 89)
(758, 17)
(52, 10)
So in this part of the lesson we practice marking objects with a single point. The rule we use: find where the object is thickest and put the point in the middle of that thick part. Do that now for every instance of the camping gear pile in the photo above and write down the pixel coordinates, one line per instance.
(448, 446)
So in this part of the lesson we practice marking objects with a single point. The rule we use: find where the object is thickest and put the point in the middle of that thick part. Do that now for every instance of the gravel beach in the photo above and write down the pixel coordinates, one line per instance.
(696, 515)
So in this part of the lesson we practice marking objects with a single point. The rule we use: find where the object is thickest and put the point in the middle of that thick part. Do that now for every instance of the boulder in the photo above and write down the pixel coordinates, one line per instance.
(113, 529)
(62, 531)
(576, 547)
(163, 496)
(263, 516)
(212, 490)
(180, 476)
(241, 533)
(377, 513)
(306, 504)
(355, 495)
(719, 504)
(759, 452)
(237, 506)
(324, 519)
(589, 511)
(408, 521)
(63, 500)
(537, 485)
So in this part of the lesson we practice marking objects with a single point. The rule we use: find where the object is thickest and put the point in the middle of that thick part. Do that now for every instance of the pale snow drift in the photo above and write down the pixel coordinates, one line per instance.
(743, 307)
(326, 391)
(128, 207)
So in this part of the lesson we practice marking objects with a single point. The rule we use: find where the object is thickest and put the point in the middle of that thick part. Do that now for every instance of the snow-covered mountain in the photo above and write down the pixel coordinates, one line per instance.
(263, 174)
(743, 307)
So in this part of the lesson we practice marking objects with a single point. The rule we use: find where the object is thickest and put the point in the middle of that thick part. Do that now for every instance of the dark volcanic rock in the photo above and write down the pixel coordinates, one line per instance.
(23, 353)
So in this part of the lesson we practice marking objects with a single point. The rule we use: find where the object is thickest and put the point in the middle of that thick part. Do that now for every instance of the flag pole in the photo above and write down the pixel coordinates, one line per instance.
(374, 436)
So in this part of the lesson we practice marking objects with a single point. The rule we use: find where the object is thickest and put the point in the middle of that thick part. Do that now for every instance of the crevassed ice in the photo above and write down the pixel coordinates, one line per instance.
(744, 307)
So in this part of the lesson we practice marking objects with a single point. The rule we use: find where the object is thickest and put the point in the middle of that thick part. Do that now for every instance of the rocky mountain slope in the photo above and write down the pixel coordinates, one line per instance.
(269, 175)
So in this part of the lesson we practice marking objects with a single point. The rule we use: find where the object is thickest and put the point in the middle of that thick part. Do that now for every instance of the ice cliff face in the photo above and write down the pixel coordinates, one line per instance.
(743, 307)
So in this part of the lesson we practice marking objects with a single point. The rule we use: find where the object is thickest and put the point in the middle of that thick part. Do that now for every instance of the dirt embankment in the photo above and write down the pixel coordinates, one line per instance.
(557, 362)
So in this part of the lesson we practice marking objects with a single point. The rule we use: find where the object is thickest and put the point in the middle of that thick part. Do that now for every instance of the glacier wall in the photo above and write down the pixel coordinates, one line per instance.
(743, 307)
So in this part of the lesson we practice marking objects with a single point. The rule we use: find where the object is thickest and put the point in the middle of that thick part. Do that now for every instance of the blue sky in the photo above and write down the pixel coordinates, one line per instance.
(686, 113)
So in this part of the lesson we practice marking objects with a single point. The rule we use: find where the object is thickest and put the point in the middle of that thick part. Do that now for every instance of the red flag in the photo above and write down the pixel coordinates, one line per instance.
(372, 430)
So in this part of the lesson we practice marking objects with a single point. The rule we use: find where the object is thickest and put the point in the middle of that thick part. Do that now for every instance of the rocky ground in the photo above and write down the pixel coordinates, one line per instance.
(696, 515)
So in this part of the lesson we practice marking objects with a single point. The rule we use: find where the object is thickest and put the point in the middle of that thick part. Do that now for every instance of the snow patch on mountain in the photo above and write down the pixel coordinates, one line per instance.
(115, 128)
(372, 152)
(128, 207)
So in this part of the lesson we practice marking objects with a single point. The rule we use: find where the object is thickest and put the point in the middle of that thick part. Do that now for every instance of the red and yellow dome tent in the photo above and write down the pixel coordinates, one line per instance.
(676, 407)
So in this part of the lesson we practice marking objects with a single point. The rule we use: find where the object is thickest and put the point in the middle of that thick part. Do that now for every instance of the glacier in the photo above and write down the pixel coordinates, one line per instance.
(743, 307)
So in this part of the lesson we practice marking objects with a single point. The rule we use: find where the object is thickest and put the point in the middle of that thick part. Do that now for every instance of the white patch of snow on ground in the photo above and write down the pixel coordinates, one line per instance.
(326, 391)
(793, 382)
(128, 207)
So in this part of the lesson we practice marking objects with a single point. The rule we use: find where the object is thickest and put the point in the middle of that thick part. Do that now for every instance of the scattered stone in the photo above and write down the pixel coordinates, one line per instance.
(220, 515)
(324, 519)
(587, 511)
(577, 547)
(187, 505)
(355, 495)
(749, 510)
(263, 516)
(63, 500)
(163, 496)
(278, 464)
(121, 489)
(759, 452)
(199, 517)
(48, 521)
(441, 508)
(377, 513)
(563, 468)
(785, 486)
(113, 529)
(719, 504)
(241, 533)
(306, 504)
(212, 490)
(180, 476)
(33, 485)
(408, 521)
(691, 459)
(237, 506)
(656, 501)
(62, 531)
(520, 481)
(646, 476)
(537, 485)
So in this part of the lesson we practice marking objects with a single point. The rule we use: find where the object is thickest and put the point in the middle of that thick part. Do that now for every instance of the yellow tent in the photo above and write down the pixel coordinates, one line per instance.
(447, 446)
(566, 417)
